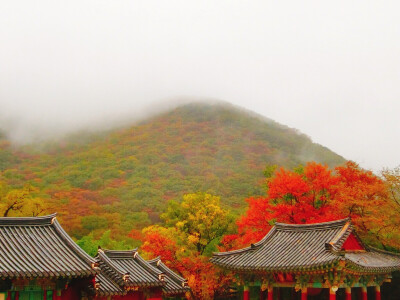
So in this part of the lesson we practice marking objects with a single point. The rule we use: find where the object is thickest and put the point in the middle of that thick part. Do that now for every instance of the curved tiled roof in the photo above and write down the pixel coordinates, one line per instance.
(289, 247)
(107, 287)
(128, 268)
(374, 260)
(175, 284)
(39, 247)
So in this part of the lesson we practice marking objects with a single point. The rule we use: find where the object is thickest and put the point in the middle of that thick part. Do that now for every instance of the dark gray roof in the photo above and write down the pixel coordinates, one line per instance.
(107, 287)
(175, 284)
(39, 247)
(129, 269)
(374, 260)
(289, 247)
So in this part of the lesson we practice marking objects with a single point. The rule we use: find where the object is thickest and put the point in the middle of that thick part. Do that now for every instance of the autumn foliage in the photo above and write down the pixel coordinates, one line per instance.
(191, 230)
(315, 194)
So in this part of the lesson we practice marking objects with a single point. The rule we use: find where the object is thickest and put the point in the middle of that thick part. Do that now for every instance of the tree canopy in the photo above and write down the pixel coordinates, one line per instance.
(190, 231)
(315, 194)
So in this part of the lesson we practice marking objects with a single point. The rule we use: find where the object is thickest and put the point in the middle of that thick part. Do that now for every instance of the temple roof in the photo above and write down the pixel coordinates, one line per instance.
(129, 269)
(175, 284)
(107, 287)
(374, 261)
(39, 247)
(289, 247)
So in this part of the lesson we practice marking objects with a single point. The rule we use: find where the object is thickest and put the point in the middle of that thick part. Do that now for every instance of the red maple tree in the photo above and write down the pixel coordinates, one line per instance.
(315, 194)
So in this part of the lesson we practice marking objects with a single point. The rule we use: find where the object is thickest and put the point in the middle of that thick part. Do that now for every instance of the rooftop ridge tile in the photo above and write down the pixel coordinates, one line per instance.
(27, 221)
(312, 226)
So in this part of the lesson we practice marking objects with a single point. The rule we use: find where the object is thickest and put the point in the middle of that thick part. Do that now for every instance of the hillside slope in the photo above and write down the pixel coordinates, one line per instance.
(129, 174)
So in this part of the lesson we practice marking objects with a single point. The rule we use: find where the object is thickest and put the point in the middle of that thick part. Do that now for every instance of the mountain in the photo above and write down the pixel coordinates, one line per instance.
(126, 176)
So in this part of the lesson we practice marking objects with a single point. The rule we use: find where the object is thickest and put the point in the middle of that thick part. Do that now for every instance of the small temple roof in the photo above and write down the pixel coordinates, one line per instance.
(289, 247)
(175, 284)
(128, 269)
(39, 247)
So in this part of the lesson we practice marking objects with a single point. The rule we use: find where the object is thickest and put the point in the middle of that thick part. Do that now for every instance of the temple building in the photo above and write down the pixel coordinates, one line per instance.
(38, 260)
(313, 261)
(126, 275)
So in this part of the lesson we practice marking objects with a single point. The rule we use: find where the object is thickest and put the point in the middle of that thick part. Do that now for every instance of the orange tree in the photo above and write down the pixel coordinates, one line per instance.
(314, 194)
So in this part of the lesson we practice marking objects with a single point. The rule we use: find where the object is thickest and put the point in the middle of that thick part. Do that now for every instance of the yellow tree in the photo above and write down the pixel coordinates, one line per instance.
(200, 217)
(392, 179)
(191, 231)
(20, 202)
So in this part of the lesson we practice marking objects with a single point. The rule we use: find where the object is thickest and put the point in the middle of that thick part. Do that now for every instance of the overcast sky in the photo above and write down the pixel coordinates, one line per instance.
(328, 68)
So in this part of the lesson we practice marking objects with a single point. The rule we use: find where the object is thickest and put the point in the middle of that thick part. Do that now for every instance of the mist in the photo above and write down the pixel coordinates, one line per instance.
(331, 70)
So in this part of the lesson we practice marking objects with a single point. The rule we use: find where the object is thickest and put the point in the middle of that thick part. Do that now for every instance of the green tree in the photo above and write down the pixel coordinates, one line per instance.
(90, 244)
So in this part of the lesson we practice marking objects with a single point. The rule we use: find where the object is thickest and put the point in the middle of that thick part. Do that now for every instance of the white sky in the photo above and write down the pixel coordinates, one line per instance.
(329, 68)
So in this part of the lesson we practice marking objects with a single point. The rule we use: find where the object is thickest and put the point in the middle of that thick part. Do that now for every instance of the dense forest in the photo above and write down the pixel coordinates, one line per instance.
(123, 179)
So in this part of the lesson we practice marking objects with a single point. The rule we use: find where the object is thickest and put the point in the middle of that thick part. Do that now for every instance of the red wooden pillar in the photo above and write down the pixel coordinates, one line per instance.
(377, 292)
(348, 293)
(364, 295)
(332, 293)
(16, 295)
(304, 294)
(246, 293)
(8, 296)
(270, 293)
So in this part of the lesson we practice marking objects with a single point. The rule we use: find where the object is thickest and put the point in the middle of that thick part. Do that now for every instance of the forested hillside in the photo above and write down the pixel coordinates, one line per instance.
(124, 178)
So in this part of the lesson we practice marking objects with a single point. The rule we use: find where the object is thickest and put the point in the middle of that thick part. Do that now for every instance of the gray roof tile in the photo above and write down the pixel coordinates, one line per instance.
(39, 247)
(175, 284)
(128, 268)
(290, 247)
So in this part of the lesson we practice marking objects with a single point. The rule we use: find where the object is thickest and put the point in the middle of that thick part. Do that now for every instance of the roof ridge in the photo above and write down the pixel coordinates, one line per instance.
(27, 221)
(74, 246)
(172, 273)
(164, 268)
(154, 260)
(120, 253)
(338, 240)
(147, 265)
(251, 247)
(312, 225)
(105, 259)
(374, 249)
